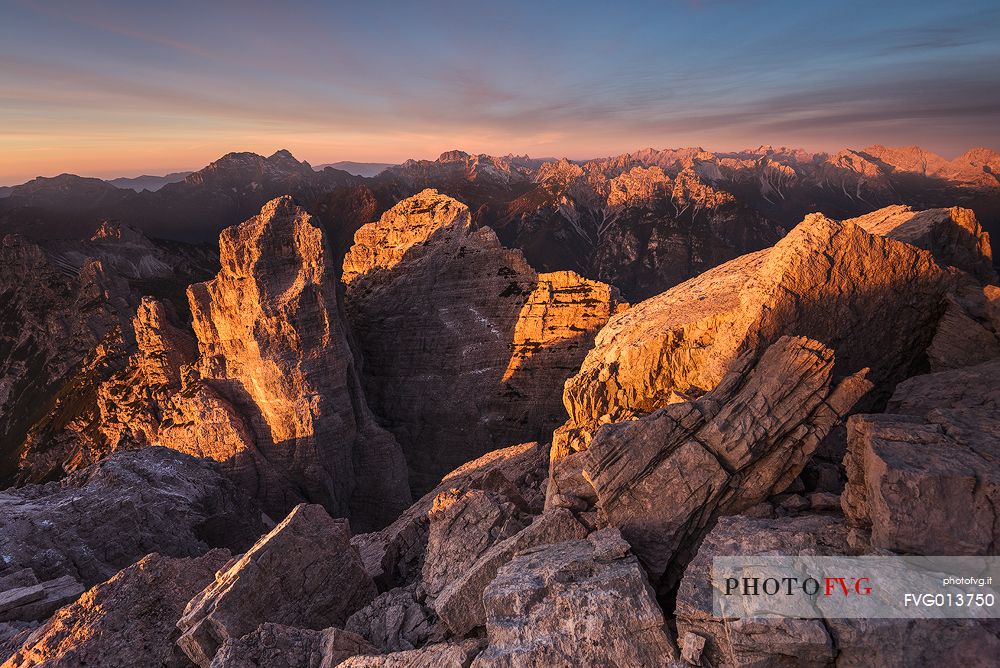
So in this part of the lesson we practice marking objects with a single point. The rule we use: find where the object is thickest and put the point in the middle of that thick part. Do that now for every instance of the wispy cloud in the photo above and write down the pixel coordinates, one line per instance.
(104, 85)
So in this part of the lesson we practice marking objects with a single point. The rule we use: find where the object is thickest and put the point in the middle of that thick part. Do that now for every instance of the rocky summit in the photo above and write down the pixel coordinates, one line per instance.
(492, 411)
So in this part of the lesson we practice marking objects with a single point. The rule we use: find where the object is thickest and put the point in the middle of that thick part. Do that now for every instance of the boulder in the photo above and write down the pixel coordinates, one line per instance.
(464, 525)
(276, 646)
(874, 300)
(102, 518)
(579, 602)
(394, 556)
(460, 603)
(397, 621)
(663, 479)
(304, 573)
(130, 620)
(953, 235)
(912, 473)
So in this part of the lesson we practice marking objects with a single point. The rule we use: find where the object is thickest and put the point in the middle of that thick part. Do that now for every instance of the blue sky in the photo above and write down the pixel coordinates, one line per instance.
(108, 88)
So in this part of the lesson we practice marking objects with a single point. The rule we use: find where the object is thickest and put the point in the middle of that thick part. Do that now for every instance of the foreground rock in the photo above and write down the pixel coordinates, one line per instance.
(582, 602)
(395, 555)
(271, 340)
(277, 646)
(876, 300)
(101, 519)
(460, 602)
(397, 621)
(465, 347)
(813, 642)
(663, 479)
(935, 459)
(130, 620)
(464, 525)
(33, 602)
(442, 655)
(304, 573)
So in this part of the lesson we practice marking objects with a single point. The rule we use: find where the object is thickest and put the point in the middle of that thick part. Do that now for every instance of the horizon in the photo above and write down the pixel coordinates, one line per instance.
(110, 176)
(120, 89)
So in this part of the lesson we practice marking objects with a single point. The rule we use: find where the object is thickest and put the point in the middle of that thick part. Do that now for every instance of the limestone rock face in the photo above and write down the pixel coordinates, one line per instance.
(555, 329)
(876, 300)
(405, 229)
(814, 642)
(67, 308)
(395, 555)
(103, 518)
(271, 341)
(910, 474)
(276, 646)
(953, 235)
(130, 620)
(663, 479)
(304, 573)
(551, 606)
(464, 346)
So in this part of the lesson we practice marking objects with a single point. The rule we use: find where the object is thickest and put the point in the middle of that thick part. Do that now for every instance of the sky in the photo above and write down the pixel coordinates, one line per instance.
(125, 88)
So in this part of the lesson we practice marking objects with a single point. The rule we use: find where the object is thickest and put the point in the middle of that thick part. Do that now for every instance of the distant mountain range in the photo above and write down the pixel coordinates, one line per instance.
(641, 220)
(368, 169)
(147, 182)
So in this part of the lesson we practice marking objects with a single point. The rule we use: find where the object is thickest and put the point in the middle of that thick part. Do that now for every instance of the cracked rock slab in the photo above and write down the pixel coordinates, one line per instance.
(579, 602)
(304, 573)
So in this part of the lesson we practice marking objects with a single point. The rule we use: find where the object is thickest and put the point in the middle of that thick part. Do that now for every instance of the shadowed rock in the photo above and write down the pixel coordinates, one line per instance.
(304, 573)
(554, 605)
(130, 620)
(465, 347)
(460, 602)
(277, 646)
(934, 459)
(443, 655)
(101, 519)
(395, 555)
(397, 621)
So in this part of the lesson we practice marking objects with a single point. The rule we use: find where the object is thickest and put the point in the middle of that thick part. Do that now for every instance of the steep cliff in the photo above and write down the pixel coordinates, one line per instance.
(464, 346)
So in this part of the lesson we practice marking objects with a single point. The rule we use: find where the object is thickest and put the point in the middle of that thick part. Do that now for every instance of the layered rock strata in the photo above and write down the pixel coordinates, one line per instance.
(271, 341)
(464, 346)
(663, 479)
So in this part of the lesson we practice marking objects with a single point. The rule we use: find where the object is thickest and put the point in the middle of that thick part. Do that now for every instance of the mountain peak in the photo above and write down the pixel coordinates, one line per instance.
(453, 156)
